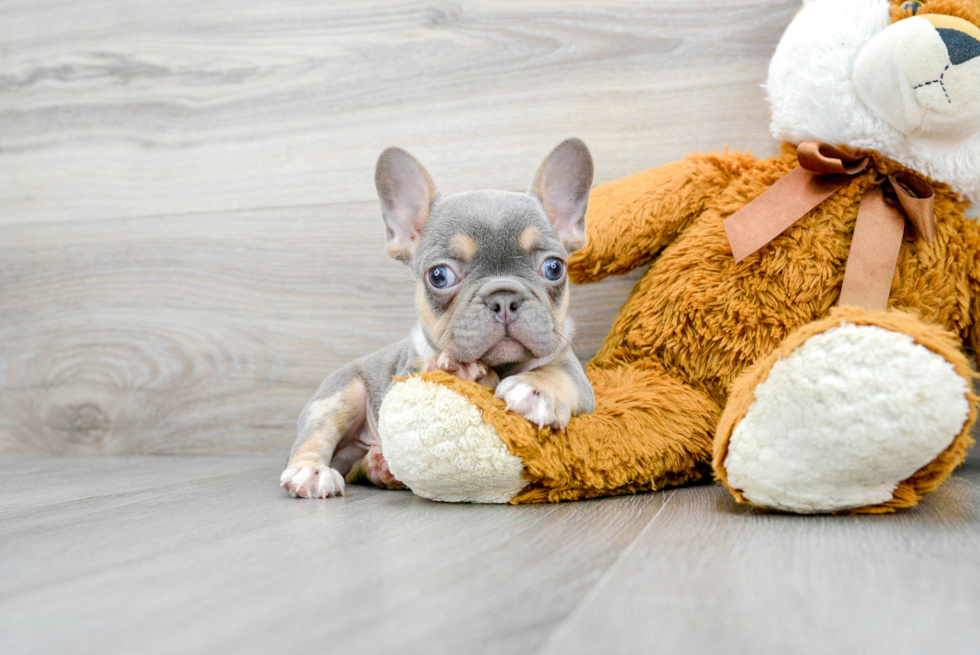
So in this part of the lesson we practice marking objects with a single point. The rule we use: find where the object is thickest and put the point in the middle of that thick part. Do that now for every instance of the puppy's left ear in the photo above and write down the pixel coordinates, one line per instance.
(562, 184)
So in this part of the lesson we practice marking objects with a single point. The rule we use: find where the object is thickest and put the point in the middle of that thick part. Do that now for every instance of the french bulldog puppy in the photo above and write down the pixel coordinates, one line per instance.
(492, 299)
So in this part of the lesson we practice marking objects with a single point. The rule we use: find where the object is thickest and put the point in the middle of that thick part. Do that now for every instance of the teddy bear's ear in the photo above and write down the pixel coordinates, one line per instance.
(562, 184)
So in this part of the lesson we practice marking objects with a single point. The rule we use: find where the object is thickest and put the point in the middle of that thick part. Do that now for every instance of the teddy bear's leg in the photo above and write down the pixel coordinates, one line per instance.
(862, 411)
(451, 440)
(648, 431)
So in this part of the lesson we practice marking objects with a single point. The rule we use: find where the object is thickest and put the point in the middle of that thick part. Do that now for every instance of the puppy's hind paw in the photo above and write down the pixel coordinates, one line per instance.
(539, 407)
(312, 481)
(378, 470)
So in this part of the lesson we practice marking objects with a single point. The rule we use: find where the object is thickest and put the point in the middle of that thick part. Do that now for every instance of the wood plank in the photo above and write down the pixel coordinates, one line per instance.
(233, 563)
(201, 334)
(48, 545)
(708, 575)
(120, 109)
(33, 480)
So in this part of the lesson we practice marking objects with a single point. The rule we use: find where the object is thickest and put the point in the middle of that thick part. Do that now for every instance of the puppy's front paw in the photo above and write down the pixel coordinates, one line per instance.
(473, 371)
(312, 481)
(536, 405)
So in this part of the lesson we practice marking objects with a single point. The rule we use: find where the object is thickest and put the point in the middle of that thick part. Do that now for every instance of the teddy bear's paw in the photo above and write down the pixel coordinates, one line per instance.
(437, 443)
(537, 406)
(312, 481)
(843, 419)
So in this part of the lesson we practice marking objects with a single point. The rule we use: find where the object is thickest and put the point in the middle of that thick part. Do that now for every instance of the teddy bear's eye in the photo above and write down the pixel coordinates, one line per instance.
(911, 8)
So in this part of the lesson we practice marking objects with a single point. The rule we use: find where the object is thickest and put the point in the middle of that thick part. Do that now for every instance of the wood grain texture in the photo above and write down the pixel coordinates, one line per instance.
(114, 108)
(189, 238)
(708, 575)
(207, 554)
(200, 334)
(30, 481)
(231, 563)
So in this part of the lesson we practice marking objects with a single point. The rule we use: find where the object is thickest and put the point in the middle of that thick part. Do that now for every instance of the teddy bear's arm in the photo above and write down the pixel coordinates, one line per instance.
(631, 220)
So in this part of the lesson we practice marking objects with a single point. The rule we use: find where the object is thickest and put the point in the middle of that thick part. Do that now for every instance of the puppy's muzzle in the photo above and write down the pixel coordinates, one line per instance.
(505, 305)
(504, 298)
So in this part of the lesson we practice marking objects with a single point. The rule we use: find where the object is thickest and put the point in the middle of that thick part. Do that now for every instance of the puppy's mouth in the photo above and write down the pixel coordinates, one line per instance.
(499, 347)
(506, 351)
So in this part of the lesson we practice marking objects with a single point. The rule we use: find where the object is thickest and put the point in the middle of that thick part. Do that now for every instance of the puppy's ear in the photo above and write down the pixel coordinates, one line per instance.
(406, 192)
(562, 184)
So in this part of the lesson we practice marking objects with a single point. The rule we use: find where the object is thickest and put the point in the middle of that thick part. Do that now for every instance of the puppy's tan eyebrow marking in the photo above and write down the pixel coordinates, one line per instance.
(463, 247)
(529, 238)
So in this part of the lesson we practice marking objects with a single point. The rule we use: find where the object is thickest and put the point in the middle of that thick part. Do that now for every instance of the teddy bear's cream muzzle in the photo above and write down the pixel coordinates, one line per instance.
(922, 76)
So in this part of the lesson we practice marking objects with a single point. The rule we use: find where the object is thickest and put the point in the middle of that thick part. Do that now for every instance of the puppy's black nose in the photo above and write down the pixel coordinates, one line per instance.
(504, 304)
(961, 46)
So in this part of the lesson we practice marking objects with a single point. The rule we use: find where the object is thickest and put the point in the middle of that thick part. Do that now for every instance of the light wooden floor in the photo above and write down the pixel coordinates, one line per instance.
(206, 555)
(190, 242)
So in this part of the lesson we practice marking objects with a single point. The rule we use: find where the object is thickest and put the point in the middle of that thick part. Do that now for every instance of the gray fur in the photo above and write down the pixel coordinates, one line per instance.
(376, 371)
(494, 220)
(502, 312)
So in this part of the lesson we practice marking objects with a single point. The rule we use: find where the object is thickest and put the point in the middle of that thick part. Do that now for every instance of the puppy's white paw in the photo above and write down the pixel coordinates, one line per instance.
(539, 407)
(473, 371)
(312, 481)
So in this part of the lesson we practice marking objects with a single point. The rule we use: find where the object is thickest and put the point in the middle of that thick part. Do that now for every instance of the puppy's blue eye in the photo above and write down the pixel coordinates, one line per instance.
(442, 277)
(553, 269)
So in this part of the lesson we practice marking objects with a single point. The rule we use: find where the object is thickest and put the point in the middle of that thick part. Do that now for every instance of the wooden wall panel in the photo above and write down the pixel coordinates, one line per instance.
(120, 108)
(189, 239)
(200, 333)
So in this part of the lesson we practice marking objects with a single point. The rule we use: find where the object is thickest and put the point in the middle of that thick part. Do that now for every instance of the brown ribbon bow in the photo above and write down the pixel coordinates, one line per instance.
(823, 170)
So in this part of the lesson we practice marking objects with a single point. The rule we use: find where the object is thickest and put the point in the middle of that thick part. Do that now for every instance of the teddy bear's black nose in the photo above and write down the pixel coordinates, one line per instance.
(960, 45)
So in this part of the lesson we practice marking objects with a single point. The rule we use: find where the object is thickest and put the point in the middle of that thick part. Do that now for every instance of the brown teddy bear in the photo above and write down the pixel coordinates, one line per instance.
(803, 328)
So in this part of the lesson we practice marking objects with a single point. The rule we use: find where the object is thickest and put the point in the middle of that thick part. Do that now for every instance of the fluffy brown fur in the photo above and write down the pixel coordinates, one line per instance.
(700, 331)
(967, 10)
(649, 432)
(698, 317)
(701, 317)
(697, 321)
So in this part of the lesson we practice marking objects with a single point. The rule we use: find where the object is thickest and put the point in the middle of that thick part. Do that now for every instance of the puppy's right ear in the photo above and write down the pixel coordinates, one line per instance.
(406, 192)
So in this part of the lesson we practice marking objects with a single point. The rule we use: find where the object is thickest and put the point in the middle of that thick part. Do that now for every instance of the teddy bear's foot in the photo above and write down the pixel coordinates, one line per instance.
(862, 411)
(437, 443)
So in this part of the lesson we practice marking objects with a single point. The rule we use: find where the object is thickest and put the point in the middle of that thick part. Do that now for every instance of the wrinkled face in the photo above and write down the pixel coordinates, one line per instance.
(491, 278)
(490, 264)
(922, 73)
